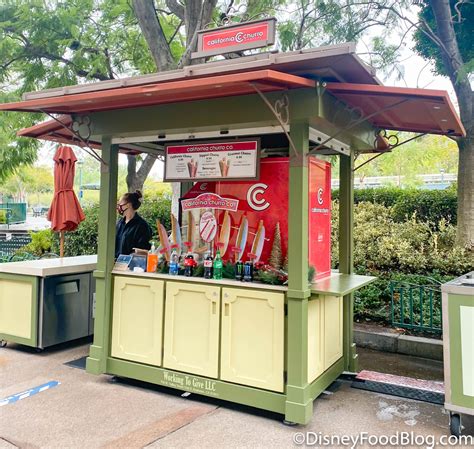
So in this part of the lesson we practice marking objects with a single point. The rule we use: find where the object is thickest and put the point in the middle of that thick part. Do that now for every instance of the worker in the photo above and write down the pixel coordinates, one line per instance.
(132, 230)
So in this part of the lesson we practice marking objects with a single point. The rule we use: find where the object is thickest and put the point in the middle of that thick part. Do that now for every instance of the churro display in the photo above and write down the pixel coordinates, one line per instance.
(247, 223)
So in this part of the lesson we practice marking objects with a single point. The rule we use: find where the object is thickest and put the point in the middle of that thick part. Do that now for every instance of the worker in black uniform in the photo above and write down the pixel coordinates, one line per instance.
(132, 230)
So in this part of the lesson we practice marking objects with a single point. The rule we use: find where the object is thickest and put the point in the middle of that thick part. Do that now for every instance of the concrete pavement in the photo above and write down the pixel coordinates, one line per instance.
(87, 411)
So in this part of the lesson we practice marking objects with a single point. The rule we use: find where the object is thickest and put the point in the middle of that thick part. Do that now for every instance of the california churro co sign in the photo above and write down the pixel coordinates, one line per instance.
(212, 161)
(231, 38)
(210, 201)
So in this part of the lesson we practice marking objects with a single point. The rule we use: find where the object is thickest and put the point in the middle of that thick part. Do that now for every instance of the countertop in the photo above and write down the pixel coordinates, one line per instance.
(199, 280)
(460, 285)
(336, 284)
(51, 267)
(339, 284)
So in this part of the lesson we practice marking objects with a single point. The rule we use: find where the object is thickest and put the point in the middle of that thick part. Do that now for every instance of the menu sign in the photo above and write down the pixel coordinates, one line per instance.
(238, 37)
(211, 161)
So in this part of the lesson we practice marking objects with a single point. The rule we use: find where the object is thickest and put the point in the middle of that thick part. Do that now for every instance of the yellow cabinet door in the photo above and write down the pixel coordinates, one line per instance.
(19, 308)
(192, 328)
(332, 330)
(252, 342)
(137, 321)
(315, 337)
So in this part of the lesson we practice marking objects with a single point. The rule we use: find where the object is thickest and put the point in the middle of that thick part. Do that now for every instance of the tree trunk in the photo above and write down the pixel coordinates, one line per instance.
(195, 15)
(453, 63)
(153, 33)
(136, 178)
(465, 229)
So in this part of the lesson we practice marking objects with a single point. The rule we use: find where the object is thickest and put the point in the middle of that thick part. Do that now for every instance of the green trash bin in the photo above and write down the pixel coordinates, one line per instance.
(458, 346)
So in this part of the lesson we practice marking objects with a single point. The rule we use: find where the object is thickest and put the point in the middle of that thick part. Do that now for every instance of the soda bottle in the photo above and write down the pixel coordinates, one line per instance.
(217, 274)
(174, 263)
(189, 264)
(208, 265)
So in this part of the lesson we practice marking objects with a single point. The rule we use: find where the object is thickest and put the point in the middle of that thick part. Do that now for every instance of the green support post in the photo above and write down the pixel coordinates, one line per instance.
(346, 254)
(99, 351)
(299, 404)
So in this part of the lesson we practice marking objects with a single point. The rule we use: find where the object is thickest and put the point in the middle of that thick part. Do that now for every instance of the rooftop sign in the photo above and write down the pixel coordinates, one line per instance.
(242, 36)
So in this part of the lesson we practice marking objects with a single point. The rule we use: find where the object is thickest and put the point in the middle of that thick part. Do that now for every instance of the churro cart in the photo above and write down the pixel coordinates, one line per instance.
(246, 138)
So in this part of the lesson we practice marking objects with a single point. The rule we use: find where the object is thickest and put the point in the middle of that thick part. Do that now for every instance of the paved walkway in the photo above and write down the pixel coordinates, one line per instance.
(87, 411)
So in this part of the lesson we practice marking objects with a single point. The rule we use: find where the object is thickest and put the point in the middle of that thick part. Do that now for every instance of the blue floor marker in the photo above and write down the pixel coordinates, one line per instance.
(26, 394)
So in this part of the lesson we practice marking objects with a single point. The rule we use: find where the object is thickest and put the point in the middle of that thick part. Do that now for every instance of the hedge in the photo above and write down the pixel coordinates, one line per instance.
(411, 251)
(427, 205)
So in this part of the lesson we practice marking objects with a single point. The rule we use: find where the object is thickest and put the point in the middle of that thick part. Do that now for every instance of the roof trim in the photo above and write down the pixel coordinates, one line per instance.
(161, 93)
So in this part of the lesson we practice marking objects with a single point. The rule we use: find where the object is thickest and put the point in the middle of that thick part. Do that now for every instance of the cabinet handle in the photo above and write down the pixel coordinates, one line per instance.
(226, 309)
(214, 307)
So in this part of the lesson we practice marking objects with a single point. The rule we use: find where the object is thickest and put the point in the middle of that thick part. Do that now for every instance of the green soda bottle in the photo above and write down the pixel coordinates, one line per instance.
(217, 268)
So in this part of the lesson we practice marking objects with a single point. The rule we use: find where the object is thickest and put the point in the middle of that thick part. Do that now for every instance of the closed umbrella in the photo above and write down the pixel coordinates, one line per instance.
(65, 212)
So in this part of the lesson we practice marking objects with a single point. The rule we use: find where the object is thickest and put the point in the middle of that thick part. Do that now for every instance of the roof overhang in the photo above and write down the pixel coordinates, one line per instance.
(400, 108)
(329, 63)
(162, 93)
(59, 130)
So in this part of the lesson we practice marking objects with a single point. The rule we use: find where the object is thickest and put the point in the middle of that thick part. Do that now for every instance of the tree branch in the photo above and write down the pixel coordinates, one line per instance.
(176, 8)
(146, 165)
(153, 33)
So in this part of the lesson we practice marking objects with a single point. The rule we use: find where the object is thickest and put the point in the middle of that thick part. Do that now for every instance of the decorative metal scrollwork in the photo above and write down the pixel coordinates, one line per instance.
(282, 108)
(384, 142)
(234, 15)
(81, 125)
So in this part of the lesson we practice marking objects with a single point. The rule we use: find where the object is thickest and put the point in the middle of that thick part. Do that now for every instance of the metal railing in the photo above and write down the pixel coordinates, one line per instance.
(416, 307)
(10, 247)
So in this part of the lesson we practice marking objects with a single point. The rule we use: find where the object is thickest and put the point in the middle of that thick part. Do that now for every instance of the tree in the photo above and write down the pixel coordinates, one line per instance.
(443, 33)
(29, 180)
(445, 37)
(58, 43)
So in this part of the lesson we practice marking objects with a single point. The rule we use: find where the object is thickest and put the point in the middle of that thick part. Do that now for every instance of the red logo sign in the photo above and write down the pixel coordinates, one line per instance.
(256, 34)
(243, 35)
(210, 201)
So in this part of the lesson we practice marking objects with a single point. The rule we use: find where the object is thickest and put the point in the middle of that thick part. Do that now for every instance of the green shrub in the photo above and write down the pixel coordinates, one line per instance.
(157, 207)
(41, 242)
(83, 241)
(412, 251)
(428, 205)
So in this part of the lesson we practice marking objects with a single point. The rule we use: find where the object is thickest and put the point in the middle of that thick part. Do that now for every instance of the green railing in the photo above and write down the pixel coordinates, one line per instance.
(10, 248)
(416, 307)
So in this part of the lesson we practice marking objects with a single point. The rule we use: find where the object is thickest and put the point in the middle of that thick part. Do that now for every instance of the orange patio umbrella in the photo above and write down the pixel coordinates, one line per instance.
(65, 212)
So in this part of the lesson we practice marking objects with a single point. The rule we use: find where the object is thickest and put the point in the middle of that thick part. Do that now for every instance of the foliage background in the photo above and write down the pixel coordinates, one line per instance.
(395, 247)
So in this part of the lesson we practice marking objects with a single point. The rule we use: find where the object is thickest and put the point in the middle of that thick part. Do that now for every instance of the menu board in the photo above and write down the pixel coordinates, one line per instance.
(212, 161)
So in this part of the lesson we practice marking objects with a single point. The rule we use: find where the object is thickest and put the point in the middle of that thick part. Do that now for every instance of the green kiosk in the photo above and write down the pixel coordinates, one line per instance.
(274, 347)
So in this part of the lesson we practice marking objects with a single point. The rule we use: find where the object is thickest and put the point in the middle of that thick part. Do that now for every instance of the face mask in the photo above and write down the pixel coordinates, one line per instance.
(120, 209)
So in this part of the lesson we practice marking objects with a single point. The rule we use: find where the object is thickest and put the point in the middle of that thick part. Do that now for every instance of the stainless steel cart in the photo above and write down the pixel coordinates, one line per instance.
(46, 302)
